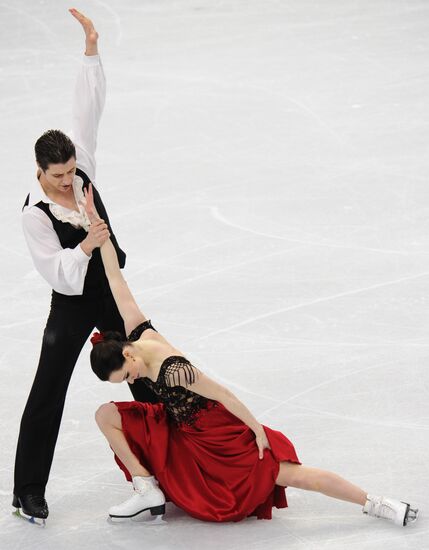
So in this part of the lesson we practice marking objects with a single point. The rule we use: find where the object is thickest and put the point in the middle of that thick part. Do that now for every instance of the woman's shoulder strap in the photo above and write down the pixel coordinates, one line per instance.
(138, 331)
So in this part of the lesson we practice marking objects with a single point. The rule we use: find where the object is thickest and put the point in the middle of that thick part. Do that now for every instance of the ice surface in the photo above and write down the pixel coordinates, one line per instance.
(265, 165)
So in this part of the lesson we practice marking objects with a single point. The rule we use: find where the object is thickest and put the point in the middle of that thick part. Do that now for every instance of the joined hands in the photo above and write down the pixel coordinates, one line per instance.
(98, 232)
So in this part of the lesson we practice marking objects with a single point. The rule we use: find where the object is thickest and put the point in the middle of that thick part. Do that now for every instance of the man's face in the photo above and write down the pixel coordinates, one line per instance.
(59, 177)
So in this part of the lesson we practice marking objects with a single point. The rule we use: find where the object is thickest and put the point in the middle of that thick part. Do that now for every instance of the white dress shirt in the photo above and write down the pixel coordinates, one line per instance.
(65, 268)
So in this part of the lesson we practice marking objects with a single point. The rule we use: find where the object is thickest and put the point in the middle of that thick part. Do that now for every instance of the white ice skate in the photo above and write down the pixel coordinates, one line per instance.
(147, 496)
(399, 512)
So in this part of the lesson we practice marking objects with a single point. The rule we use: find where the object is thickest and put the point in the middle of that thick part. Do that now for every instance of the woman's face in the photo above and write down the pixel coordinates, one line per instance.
(132, 369)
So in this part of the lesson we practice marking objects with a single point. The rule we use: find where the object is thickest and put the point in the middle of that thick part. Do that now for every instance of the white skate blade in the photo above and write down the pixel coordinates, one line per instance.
(117, 520)
(412, 515)
(148, 519)
(144, 518)
(30, 519)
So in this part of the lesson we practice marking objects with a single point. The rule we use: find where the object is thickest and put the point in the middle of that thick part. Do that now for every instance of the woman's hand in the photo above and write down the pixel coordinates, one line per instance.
(88, 204)
(98, 232)
(91, 35)
(261, 441)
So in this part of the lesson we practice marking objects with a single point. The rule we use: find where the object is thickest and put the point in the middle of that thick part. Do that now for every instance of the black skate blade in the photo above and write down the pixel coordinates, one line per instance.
(30, 519)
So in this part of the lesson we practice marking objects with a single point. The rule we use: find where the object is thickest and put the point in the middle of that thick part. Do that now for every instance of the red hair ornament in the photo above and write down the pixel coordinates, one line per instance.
(96, 338)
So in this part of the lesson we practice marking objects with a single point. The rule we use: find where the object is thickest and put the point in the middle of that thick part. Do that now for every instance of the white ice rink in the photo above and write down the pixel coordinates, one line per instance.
(265, 166)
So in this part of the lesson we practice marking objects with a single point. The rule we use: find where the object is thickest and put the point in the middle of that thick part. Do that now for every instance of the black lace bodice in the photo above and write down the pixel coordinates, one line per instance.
(175, 375)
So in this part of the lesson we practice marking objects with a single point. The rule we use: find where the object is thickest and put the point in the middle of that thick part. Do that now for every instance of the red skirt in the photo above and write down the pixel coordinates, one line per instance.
(210, 469)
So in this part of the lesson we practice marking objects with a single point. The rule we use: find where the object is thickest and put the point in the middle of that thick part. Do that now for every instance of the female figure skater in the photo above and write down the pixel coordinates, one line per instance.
(200, 446)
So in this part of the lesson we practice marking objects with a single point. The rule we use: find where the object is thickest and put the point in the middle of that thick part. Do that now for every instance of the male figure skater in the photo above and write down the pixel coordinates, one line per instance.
(65, 250)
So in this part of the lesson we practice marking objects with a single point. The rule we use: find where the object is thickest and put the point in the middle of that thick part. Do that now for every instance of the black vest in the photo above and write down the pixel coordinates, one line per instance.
(96, 283)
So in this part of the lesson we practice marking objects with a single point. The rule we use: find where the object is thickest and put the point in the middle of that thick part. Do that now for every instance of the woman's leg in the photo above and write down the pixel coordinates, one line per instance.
(109, 422)
(147, 495)
(313, 479)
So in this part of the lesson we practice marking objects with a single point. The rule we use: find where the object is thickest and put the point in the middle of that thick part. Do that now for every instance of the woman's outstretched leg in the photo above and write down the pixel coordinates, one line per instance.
(332, 485)
(322, 481)
(147, 495)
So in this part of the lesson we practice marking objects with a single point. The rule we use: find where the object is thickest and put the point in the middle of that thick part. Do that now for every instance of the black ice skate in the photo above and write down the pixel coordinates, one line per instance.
(32, 508)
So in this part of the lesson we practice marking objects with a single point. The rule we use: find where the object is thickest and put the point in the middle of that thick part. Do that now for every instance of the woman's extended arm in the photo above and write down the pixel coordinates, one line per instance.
(200, 383)
(127, 306)
(88, 99)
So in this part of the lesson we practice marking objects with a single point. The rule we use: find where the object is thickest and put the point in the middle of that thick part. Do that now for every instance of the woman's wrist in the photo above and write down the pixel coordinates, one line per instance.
(91, 49)
(86, 247)
(258, 429)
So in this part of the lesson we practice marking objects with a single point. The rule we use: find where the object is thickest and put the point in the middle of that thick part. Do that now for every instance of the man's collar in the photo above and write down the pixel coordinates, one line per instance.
(37, 194)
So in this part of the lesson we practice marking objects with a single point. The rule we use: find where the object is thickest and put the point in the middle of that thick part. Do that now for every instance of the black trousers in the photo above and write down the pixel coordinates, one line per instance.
(70, 322)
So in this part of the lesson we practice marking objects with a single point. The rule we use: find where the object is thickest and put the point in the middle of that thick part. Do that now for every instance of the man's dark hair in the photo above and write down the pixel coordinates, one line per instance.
(53, 147)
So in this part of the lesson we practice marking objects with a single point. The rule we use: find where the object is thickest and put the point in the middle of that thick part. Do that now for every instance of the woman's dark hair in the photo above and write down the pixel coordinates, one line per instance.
(53, 147)
(106, 356)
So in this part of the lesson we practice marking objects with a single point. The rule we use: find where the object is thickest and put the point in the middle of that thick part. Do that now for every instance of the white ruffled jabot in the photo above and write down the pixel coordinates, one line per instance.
(76, 219)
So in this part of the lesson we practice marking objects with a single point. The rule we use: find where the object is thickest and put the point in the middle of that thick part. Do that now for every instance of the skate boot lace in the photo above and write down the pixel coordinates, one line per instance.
(382, 508)
(145, 487)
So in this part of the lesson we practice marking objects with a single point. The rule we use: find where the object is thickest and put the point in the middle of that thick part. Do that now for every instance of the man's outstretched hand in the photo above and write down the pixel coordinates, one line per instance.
(91, 35)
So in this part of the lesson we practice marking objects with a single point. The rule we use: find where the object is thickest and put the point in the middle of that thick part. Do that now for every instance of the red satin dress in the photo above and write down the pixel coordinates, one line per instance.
(205, 459)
